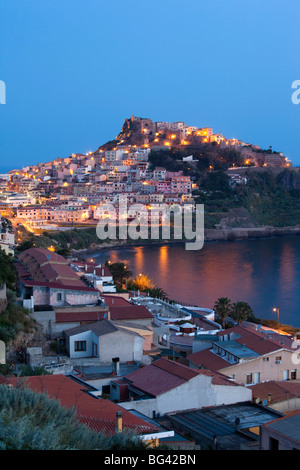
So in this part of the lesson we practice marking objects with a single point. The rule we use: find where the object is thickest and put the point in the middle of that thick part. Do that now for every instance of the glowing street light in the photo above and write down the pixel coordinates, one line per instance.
(276, 310)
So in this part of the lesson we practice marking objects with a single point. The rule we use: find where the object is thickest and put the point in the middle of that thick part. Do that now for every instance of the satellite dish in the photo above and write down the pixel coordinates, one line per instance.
(257, 400)
(265, 402)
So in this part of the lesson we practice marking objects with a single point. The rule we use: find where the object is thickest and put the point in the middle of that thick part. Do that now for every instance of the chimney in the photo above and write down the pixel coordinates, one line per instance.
(119, 421)
(116, 365)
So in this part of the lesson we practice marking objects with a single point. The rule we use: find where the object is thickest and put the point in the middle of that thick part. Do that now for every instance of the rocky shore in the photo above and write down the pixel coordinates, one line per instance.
(211, 235)
(249, 233)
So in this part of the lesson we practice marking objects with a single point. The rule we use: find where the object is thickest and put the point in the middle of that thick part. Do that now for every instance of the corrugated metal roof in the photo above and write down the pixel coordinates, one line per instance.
(288, 426)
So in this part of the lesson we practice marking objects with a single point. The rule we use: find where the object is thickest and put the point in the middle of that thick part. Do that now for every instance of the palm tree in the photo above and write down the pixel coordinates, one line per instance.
(223, 308)
(241, 311)
(158, 292)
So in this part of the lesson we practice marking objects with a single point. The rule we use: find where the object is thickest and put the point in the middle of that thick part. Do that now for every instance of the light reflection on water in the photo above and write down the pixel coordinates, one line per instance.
(264, 273)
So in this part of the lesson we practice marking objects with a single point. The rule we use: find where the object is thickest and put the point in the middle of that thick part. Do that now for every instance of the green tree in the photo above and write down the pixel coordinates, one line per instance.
(25, 370)
(158, 292)
(241, 311)
(120, 272)
(8, 273)
(33, 421)
(13, 320)
(223, 308)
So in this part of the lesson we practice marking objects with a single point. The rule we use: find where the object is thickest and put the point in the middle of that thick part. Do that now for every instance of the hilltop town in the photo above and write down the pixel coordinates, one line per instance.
(149, 163)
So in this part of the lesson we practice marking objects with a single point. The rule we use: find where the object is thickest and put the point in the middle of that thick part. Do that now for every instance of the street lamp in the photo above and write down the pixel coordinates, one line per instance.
(276, 310)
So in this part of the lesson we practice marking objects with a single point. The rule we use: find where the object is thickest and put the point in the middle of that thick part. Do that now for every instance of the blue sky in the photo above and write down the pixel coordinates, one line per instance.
(74, 70)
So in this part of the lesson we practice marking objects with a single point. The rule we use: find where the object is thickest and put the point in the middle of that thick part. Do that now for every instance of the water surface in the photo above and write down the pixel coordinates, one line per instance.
(263, 272)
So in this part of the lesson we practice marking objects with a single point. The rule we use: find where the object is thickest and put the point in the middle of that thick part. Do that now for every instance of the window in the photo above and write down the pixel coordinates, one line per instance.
(58, 296)
(266, 359)
(249, 379)
(293, 374)
(80, 345)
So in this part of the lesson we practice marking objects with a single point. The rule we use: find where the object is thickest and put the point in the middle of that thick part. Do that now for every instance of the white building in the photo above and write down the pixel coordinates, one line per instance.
(104, 339)
(166, 386)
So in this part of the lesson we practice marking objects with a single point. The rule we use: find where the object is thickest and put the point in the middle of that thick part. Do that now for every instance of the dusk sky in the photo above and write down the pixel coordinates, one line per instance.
(74, 70)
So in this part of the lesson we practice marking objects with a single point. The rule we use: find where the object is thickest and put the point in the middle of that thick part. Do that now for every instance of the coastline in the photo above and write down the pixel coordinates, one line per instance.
(210, 235)
(213, 236)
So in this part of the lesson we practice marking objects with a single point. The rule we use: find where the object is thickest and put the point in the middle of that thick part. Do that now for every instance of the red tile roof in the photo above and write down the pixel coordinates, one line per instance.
(175, 368)
(280, 391)
(218, 378)
(118, 313)
(108, 427)
(43, 266)
(130, 312)
(80, 316)
(253, 340)
(208, 359)
(115, 301)
(40, 255)
(58, 285)
(4, 380)
(99, 414)
(160, 377)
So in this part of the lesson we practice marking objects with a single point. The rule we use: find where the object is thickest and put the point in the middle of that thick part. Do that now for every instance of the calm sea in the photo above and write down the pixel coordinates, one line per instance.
(264, 272)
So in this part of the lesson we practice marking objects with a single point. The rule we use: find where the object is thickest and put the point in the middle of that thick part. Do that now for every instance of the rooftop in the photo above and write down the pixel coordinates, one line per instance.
(237, 349)
(275, 391)
(229, 425)
(98, 414)
(253, 340)
(208, 359)
(288, 426)
(160, 376)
